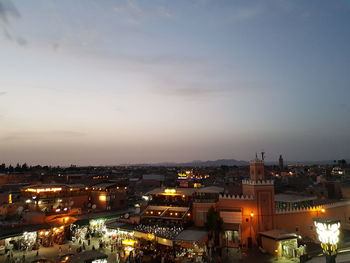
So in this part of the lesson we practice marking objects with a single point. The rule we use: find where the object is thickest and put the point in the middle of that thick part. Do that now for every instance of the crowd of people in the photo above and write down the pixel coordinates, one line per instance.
(161, 231)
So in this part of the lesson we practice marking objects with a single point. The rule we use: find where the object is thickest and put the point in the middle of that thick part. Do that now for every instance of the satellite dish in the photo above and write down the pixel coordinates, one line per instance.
(126, 215)
(94, 206)
(137, 210)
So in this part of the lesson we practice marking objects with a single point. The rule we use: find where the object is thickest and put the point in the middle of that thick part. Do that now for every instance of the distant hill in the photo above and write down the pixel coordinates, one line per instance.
(323, 162)
(228, 162)
(197, 163)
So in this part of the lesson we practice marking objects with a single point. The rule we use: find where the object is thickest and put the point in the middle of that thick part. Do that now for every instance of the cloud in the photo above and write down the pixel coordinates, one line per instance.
(15, 136)
(188, 89)
(247, 13)
(3, 93)
(133, 13)
(67, 133)
(8, 12)
(21, 41)
(164, 12)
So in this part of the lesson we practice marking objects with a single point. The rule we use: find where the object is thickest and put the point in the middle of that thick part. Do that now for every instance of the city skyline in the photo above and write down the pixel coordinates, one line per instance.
(110, 82)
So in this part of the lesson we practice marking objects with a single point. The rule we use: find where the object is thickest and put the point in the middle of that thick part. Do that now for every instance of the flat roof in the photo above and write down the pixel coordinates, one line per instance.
(291, 198)
(76, 185)
(278, 234)
(211, 189)
(156, 177)
(40, 186)
(104, 185)
(163, 207)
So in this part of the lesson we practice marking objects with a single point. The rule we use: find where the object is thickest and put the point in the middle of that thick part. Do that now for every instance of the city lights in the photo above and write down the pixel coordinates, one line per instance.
(102, 198)
(170, 191)
(128, 242)
(40, 190)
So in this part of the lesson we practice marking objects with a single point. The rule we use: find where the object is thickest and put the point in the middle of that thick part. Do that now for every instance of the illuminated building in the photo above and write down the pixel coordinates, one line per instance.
(62, 198)
(107, 196)
(54, 198)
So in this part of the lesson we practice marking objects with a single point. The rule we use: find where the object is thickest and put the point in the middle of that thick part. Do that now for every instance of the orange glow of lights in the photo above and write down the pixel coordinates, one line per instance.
(128, 242)
(188, 214)
(251, 214)
(102, 198)
(170, 191)
(151, 236)
(39, 190)
(323, 210)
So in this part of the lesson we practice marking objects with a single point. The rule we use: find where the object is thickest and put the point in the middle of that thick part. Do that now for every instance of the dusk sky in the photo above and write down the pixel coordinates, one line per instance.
(106, 82)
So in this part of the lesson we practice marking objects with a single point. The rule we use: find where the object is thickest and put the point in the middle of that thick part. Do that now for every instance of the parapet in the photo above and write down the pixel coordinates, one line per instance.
(236, 197)
(314, 208)
(258, 182)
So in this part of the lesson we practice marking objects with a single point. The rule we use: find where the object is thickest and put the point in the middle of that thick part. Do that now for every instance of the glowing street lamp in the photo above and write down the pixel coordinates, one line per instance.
(328, 234)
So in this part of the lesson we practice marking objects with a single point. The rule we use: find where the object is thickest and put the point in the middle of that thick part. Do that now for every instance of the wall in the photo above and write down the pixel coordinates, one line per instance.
(250, 225)
(197, 208)
(301, 222)
(264, 193)
(270, 245)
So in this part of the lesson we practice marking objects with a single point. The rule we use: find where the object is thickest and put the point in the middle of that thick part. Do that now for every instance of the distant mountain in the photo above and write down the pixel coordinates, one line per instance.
(197, 163)
(229, 162)
(323, 162)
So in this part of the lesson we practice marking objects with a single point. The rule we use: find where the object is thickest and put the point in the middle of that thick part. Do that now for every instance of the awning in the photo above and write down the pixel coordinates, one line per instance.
(231, 226)
(117, 225)
(192, 235)
(19, 230)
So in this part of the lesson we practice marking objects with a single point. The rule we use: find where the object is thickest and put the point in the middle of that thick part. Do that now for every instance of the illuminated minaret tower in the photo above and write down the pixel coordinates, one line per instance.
(257, 171)
(263, 192)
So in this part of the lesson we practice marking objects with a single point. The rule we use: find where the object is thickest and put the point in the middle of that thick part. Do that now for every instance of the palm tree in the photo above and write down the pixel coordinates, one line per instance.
(214, 224)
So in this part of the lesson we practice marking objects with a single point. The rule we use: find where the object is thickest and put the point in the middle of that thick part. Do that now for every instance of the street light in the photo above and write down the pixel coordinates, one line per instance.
(328, 234)
(251, 219)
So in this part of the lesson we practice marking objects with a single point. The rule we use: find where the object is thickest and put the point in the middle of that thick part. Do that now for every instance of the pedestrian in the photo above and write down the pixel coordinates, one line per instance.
(23, 258)
(117, 257)
(89, 242)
